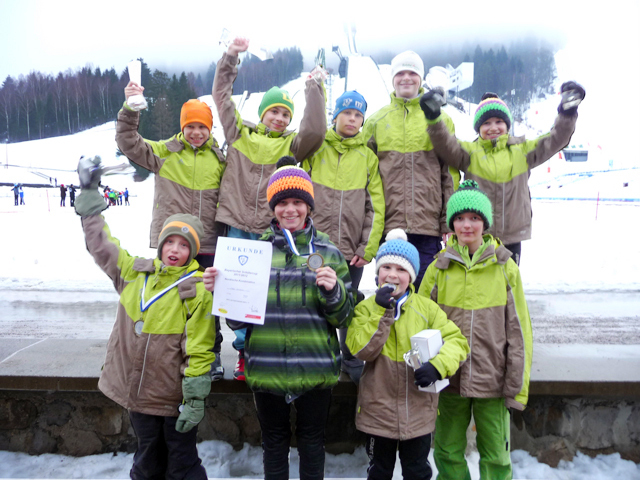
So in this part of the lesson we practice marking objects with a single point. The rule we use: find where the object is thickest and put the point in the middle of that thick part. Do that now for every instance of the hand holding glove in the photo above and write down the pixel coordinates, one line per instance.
(431, 103)
(90, 202)
(384, 298)
(426, 375)
(194, 392)
(572, 94)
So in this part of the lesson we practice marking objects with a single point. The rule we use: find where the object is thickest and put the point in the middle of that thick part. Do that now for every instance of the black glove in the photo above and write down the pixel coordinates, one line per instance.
(431, 102)
(384, 298)
(572, 95)
(426, 375)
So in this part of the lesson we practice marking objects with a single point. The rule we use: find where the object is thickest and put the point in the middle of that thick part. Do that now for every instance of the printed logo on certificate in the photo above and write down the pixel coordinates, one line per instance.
(242, 284)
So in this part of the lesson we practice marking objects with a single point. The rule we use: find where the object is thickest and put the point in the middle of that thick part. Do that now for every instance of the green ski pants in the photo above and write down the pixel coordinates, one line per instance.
(493, 437)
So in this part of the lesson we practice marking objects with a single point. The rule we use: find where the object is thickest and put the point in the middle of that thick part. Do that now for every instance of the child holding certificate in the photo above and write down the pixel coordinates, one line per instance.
(295, 356)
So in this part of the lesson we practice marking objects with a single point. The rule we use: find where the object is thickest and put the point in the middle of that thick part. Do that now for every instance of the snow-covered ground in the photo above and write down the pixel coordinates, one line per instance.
(577, 246)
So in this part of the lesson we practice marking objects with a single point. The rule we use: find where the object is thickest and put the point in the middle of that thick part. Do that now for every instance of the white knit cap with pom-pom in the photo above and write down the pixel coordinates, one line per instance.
(398, 250)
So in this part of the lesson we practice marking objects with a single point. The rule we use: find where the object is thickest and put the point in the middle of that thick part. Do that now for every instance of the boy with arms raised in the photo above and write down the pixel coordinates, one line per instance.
(253, 151)
(159, 355)
(188, 169)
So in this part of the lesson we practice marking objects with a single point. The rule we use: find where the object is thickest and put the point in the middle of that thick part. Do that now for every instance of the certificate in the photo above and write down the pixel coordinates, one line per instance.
(242, 283)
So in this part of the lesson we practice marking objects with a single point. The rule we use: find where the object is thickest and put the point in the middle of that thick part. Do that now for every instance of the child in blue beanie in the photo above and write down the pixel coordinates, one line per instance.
(392, 411)
(348, 189)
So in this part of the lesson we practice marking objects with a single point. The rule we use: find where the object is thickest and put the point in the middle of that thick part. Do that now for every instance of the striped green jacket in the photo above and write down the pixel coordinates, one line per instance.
(297, 349)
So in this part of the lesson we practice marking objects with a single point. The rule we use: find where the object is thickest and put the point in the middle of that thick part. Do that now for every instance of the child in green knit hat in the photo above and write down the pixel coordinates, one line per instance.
(475, 280)
(500, 163)
(253, 151)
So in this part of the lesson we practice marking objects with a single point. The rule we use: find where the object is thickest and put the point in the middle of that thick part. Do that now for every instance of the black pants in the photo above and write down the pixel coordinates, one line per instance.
(312, 410)
(414, 457)
(516, 250)
(163, 452)
(427, 246)
(351, 364)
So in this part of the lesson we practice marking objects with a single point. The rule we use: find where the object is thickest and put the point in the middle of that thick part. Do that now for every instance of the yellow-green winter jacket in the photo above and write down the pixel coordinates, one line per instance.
(389, 403)
(502, 168)
(483, 295)
(348, 194)
(150, 351)
(186, 180)
(253, 150)
(417, 184)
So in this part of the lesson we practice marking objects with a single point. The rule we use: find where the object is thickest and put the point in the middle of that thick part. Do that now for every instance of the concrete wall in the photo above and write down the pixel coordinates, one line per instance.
(552, 428)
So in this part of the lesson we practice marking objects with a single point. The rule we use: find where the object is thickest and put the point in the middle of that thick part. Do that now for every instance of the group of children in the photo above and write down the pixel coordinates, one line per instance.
(334, 193)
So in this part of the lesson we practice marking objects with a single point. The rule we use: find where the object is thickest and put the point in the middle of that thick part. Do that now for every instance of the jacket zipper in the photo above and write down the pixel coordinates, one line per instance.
(144, 363)
(278, 288)
(304, 288)
(255, 212)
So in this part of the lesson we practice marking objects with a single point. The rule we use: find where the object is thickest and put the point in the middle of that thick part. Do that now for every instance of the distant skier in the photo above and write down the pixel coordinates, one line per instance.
(72, 194)
(126, 196)
(16, 192)
(21, 196)
(63, 195)
(500, 163)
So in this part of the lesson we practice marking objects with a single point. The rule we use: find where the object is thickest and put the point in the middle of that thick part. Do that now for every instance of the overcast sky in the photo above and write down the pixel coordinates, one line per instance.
(52, 36)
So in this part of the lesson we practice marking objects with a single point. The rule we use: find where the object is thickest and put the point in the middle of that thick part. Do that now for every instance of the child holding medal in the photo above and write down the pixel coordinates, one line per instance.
(295, 356)
(160, 352)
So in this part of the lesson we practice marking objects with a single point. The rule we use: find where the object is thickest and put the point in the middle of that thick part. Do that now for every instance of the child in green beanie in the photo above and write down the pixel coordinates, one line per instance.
(253, 151)
(500, 163)
(475, 281)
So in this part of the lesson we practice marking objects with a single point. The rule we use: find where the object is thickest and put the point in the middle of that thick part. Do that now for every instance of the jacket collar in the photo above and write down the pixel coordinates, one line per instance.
(405, 101)
(342, 144)
(495, 248)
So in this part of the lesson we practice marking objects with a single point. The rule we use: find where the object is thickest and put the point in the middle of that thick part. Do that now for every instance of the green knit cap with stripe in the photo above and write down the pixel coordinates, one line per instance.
(469, 198)
(491, 106)
(275, 97)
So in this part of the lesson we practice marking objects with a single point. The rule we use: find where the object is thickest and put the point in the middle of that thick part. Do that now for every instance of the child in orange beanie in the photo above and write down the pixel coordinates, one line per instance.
(188, 168)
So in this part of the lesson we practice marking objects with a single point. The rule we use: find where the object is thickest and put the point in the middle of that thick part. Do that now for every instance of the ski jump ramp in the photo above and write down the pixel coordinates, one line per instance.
(364, 75)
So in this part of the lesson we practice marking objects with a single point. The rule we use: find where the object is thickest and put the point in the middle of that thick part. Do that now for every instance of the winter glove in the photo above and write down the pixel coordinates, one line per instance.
(194, 392)
(426, 375)
(431, 102)
(89, 202)
(572, 95)
(384, 298)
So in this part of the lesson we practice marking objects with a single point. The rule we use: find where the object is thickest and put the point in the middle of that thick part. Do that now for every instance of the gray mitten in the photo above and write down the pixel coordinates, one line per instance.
(90, 202)
(194, 391)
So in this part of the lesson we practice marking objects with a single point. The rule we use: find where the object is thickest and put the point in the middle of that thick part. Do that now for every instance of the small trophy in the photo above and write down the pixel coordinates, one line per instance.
(136, 102)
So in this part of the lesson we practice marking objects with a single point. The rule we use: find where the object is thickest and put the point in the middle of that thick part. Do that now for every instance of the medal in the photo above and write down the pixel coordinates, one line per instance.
(315, 261)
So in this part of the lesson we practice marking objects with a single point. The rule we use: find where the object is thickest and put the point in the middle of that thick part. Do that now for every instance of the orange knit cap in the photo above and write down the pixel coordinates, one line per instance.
(196, 111)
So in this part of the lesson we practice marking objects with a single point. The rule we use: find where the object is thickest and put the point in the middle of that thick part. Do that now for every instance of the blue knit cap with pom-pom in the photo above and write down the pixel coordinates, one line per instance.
(398, 250)
(469, 198)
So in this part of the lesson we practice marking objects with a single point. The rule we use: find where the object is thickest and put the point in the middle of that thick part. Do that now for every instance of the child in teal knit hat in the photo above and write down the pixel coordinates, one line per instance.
(253, 151)
(394, 414)
(501, 163)
(475, 280)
